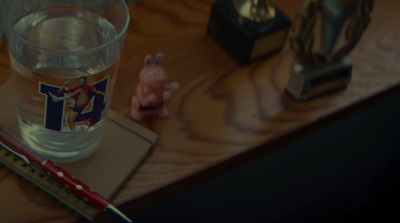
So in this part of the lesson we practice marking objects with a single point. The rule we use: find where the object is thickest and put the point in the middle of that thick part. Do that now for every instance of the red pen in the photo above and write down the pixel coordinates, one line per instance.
(62, 176)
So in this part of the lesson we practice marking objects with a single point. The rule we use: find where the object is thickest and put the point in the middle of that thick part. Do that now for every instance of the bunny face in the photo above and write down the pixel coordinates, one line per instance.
(153, 75)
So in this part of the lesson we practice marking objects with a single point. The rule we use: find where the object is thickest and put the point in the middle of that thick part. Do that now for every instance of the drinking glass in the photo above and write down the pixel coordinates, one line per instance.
(64, 58)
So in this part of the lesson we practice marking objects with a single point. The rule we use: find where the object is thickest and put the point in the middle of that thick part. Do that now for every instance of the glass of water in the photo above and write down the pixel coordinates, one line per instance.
(64, 58)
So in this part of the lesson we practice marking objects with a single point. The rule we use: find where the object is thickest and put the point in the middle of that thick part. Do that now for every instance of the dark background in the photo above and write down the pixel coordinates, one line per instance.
(347, 171)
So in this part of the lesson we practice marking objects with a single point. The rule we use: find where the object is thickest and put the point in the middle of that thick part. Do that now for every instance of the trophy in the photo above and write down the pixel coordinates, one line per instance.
(326, 69)
(248, 29)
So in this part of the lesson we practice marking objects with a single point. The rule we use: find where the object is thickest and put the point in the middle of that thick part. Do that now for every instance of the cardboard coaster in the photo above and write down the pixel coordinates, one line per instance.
(124, 146)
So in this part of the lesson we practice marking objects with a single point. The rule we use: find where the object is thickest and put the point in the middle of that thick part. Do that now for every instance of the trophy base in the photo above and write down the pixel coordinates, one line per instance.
(306, 84)
(243, 39)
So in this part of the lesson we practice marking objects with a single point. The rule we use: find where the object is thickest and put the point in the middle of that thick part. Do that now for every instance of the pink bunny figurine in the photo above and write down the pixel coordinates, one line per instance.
(152, 92)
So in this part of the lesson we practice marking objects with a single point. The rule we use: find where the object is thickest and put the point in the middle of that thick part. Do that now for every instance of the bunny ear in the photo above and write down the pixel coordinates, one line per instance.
(159, 58)
(147, 60)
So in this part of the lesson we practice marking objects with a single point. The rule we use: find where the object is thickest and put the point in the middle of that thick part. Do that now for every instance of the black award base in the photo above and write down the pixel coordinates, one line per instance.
(243, 39)
(306, 84)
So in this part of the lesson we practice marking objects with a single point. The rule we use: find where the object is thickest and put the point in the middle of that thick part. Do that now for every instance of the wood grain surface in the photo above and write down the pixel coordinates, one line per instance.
(222, 114)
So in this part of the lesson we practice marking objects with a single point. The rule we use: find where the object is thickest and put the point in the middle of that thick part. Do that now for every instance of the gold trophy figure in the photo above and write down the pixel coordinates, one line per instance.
(248, 29)
(255, 10)
(327, 69)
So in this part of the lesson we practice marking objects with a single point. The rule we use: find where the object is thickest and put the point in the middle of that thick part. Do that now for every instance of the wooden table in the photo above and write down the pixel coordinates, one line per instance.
(223, 114)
